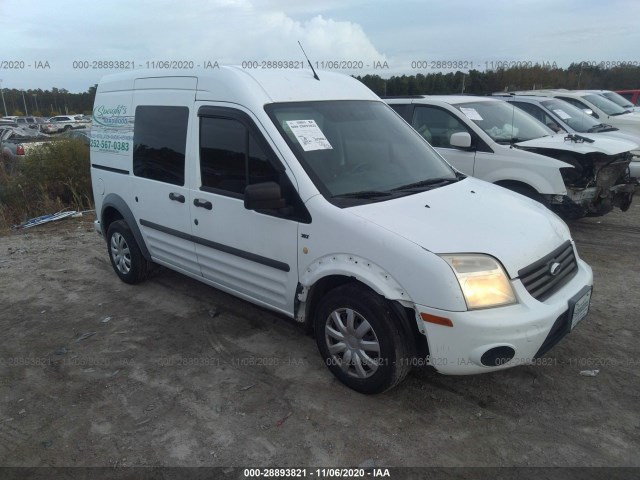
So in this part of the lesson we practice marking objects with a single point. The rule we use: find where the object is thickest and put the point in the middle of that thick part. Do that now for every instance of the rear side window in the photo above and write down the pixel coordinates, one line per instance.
(159, 143)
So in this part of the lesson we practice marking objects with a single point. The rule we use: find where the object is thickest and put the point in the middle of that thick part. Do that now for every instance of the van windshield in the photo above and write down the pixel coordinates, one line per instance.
(504, 122)
(618, 100)
(359, 151)
(574, 117)
(606, 105)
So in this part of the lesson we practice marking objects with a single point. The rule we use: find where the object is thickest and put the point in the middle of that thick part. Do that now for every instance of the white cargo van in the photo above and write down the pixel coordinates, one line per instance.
(314, 199)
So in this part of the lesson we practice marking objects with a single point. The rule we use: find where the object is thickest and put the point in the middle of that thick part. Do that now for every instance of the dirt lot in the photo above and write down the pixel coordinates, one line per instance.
(172, 372)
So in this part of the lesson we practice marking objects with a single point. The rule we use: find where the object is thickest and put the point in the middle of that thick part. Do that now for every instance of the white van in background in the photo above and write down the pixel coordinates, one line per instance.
(574, 175)
(312, 198)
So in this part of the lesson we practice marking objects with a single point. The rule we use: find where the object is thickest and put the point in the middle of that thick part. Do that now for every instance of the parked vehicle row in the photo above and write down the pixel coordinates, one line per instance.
(596, 105)
(575, 175)
(62, 123)
(306, 194)
(632, 95)
(617, 99)
(56, 124)
(562, 117)
(15, 142)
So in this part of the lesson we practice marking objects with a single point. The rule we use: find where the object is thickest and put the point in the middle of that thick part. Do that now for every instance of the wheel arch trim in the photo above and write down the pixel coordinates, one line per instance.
(116, 202)
(355, 267)
(359, 268)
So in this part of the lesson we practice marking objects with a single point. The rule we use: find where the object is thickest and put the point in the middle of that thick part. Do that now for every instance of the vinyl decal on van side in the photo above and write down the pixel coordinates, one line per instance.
(112, 130)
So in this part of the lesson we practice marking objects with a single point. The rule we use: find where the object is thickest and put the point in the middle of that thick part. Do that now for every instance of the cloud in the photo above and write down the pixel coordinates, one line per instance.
(233, 31)
(227, 31)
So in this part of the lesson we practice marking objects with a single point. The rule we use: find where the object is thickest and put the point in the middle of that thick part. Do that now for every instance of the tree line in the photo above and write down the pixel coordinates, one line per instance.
(59, 101)
(46, 103)
(577, 76)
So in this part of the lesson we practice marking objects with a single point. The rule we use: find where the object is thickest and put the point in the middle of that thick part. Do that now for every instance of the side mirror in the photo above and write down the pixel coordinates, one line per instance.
(588, 111)
(263, 196)
(460, 140)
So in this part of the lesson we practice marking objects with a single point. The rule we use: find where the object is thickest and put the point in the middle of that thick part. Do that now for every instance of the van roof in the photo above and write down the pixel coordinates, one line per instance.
(450, 99)
(242, 86)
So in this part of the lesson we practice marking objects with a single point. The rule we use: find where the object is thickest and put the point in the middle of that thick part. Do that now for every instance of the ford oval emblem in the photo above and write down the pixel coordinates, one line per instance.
(555, 268)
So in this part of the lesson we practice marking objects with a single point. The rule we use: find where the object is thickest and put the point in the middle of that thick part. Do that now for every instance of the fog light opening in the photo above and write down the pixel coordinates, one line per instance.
(497, 356)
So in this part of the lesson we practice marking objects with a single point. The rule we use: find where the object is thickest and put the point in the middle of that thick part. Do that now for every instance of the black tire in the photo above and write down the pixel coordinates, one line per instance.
(383, 328)
(125, 255)
(66, 127)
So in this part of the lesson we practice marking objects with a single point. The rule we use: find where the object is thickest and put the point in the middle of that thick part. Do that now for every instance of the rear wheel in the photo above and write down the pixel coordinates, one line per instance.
(361, 340)
(125, 254)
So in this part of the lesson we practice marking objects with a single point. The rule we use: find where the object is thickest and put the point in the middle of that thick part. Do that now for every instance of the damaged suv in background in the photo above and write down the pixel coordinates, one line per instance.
(574, 175)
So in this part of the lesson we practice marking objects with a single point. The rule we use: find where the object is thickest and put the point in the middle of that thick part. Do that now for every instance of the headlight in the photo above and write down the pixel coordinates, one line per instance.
(482, 280)
(635, 155)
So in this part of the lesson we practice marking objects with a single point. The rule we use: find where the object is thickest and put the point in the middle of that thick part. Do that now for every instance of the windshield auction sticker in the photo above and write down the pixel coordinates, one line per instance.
(309, 135)
(562, 114)
(471, 113)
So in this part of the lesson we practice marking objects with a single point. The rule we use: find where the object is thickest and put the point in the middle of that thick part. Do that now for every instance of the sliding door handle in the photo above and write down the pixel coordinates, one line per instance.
(176, 197)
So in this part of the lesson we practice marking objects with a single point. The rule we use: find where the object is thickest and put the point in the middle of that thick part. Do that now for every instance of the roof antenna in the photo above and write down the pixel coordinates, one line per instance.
(315, 75)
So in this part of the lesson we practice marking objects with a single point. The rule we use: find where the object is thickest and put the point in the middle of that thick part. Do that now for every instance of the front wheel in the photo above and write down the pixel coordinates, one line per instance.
(361, 340)
(125, 254)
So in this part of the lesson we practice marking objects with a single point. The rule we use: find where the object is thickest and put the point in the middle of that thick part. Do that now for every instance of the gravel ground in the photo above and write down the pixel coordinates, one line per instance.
(94, 372)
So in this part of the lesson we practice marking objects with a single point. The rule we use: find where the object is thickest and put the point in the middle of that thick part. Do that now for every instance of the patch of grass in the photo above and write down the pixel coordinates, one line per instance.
(54, 176)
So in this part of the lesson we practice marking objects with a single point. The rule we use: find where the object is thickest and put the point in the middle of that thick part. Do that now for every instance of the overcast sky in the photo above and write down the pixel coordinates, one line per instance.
(54, 35)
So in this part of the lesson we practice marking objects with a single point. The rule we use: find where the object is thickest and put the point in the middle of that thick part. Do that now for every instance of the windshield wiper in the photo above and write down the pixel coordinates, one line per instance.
(601, 127)
(363, 194)
(510, 141)
(574, 137)
(431, 182)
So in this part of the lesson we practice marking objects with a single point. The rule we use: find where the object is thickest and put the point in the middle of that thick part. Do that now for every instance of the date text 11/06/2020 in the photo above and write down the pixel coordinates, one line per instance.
(316, 472)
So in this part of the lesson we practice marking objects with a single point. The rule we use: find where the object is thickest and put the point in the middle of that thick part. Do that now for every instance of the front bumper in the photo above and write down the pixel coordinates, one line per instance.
(529, 327)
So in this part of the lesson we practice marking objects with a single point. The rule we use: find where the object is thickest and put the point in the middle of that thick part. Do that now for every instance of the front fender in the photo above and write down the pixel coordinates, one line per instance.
(361, 269)
(547, 182)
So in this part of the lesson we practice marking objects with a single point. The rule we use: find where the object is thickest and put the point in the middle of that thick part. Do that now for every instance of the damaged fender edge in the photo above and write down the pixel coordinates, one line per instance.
(353, 266)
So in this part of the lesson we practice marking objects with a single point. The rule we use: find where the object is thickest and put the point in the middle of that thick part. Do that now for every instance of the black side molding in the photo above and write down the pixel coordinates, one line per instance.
(269, 262)
(110, 169)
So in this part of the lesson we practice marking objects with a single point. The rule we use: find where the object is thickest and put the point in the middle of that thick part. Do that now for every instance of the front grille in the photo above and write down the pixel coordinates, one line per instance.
(538, 279)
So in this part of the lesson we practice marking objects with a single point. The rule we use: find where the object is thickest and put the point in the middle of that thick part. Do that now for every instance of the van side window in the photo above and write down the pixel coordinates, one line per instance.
(574, 102)
(230, 157)
(159, 143)
(437, 125)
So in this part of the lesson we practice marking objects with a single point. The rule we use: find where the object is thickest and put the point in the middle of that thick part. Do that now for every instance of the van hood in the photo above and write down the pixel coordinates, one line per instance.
(472, 216)
(606, 145)
(628, 119)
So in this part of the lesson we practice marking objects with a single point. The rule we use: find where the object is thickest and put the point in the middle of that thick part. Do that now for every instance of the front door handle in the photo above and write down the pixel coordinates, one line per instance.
(203, 204)
(176, 197)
